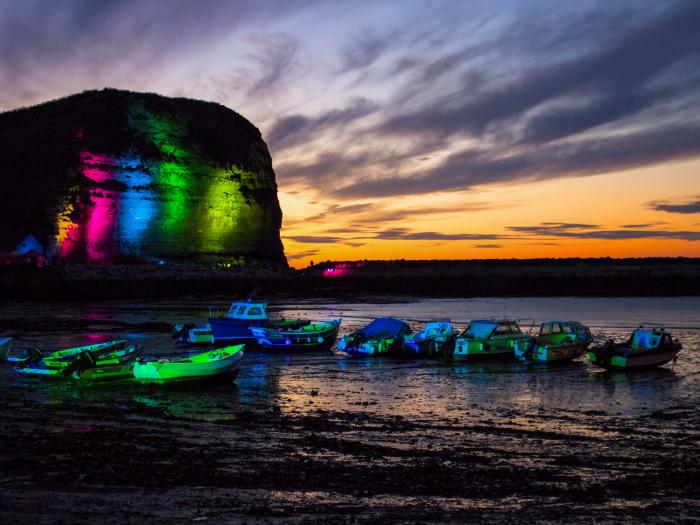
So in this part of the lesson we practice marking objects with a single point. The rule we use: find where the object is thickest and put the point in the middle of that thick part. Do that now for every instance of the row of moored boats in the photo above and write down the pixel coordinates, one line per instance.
(247, 323)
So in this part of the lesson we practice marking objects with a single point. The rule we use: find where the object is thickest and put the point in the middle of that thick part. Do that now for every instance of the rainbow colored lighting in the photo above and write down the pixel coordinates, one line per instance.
(173, 201)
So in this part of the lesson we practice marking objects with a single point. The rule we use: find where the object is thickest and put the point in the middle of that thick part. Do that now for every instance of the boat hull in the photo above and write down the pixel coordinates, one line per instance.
(625, 359)
(475, 349)
(305, 338)
(184, 371)
(551, 353)
(375, 347)
(239, 330)
(430, 346)
(193, 334)
(54, 364)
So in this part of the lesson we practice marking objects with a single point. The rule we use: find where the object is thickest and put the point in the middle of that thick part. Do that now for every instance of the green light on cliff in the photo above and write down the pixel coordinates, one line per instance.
(171, 197)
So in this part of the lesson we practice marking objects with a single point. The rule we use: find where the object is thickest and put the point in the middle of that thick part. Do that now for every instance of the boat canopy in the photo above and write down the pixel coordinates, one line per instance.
(646, 338)
(386, 326)
(437, 327)
(558, 327)
(481, 329)
(247, 310)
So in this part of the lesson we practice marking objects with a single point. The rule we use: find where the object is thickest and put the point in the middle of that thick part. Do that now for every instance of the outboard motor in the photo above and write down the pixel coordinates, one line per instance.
(84, 361)
(182, 332)
(34, 355)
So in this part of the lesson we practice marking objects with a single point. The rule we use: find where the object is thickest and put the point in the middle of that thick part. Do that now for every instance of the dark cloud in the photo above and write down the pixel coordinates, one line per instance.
(692, 206)
(337, 209)
(644, 225)
(274, 61)
(488, 246)
(297, 129)
(638, 57)
(406, 235)
(301, 255)
(563, 230)
(576, 158)
(105, 35)
(364, 49)
(314, 239)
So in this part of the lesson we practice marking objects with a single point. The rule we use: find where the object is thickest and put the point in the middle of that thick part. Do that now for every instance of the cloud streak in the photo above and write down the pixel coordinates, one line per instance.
(691, 206)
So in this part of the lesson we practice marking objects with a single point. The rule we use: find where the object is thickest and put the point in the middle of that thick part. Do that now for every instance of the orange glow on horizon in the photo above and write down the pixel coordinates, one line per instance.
(319, 229)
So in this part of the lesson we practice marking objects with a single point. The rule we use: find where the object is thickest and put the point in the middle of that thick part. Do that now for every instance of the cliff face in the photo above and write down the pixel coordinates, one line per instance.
(109, 176)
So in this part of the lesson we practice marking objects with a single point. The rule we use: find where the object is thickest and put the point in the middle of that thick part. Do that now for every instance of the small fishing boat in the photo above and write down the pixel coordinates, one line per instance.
(489, 339)
(437, 337)
(214, 365)
(646, 347)
(382, 336)
(5, 347)
(241, 317)
(314, 336)
(35, 362)
(556, 341)
(193, 334)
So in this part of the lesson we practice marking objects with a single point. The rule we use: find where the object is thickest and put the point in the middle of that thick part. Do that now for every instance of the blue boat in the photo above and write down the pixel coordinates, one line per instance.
(241, 317)
(383, 336)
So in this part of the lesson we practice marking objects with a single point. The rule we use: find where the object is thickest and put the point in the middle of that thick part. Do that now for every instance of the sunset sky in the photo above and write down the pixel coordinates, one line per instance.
(417, 129)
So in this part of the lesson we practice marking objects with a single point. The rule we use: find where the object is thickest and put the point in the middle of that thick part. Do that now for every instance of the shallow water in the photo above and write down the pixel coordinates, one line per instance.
(309, 430)
(398, 386)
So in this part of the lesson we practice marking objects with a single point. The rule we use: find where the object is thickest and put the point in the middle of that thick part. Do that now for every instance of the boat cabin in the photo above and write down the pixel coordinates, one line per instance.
(556, 332)
(649, 338)
(436, 328)
(247, 310)
(484, 329)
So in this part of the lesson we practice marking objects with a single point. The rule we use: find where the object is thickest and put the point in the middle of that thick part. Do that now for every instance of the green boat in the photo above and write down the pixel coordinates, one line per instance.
(489, 339)
(557, 341)
(214, 365)
(56, 364)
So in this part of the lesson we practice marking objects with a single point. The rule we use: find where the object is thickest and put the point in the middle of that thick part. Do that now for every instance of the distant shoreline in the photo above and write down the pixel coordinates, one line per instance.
(469, 278)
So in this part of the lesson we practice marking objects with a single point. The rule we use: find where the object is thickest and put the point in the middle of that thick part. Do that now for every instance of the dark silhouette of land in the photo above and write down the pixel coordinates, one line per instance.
(468, 278)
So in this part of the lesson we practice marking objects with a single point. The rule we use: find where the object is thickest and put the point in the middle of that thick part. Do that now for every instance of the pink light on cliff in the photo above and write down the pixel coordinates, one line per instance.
(98, 167)
(105, 207)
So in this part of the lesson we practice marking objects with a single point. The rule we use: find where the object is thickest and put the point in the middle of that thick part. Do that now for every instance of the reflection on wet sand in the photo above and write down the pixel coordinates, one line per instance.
(325, 437)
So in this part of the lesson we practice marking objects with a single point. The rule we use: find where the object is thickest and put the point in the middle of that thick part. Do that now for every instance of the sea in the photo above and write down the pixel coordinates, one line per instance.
(298, 383)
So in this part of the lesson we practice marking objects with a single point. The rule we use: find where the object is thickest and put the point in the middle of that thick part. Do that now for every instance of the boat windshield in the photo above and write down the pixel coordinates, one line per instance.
(480, 329)
(247, 311)
(643, 339)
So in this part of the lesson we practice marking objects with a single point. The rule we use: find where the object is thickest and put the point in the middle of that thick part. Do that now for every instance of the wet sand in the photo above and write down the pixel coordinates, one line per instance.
(324, 438)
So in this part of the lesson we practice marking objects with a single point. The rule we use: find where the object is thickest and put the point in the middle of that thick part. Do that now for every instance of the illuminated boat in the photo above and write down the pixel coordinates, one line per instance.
(489, 339)
(646, 347)
(557, 341)
(314, 336)
(5, 347)
(214, 365)
(244, 315)
(193, 334)
(59, 363)
(436, 338)
(116, 366)
(383, 336)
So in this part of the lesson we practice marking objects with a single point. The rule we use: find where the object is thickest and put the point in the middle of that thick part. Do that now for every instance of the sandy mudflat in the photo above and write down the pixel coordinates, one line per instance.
(323, 438)
(129, 462)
